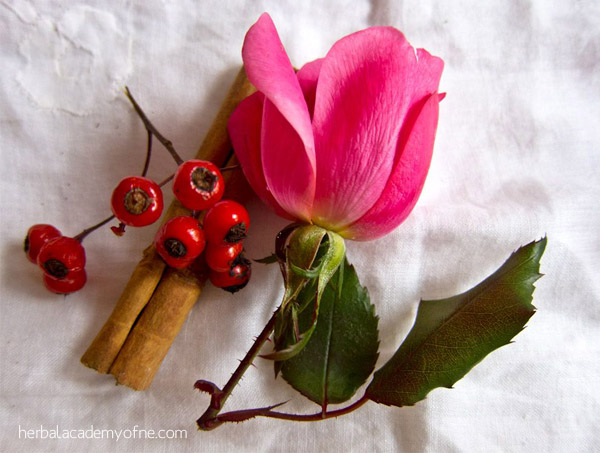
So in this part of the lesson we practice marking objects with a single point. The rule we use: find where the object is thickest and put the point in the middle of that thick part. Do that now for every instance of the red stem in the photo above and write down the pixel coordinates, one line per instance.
(249, 358)
(219, 398)
(239, 416)
(211, 418)
(319, 415)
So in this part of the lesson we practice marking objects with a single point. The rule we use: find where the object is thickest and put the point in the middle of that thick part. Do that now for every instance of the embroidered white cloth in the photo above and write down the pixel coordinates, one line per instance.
(516, 158)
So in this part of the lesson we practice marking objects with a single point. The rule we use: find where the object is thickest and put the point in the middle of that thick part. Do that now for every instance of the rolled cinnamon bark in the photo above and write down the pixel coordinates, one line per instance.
(159, 323)
(145, 279)
(138, 291)
(150, 339)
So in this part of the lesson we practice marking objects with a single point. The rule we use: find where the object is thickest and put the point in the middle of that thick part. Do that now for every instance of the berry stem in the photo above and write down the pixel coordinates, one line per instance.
(81, 236)
(150, 128)
(166, 180)
(148, 154)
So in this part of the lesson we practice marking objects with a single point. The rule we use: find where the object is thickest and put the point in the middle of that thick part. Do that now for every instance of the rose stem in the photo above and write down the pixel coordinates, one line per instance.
(242, 415)
(319, 415)
(150, 127)
(212, 411)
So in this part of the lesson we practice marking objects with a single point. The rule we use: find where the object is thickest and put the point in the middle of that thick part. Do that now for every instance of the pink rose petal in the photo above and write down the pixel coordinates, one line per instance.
(269, 69)
(289, 178)
(406, 181)
(367, 84)
(244, 130)
(308, 75)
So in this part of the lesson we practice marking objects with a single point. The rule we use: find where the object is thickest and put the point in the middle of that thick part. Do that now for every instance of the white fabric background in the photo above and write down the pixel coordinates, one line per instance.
(516, 157)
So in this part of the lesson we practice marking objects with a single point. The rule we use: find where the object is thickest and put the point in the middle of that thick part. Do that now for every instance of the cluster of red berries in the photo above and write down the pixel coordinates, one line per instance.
(61, 258)
(199, 186)
(138, 201)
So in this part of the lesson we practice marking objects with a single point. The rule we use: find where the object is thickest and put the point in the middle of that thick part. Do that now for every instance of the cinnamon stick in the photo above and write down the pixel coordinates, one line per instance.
(151, 337)
(149, 341)
(150, 271)
(142, 283)
(139, 289)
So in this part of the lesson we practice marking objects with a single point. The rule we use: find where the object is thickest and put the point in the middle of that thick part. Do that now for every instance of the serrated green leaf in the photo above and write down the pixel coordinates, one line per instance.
(342, 350)
(452, 335)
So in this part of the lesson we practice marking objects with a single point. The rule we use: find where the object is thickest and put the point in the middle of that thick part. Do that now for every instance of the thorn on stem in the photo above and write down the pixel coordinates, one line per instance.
(215, 392)
(207, 387)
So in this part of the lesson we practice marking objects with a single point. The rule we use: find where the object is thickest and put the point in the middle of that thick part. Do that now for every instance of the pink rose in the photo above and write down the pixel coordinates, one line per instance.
(345, 143)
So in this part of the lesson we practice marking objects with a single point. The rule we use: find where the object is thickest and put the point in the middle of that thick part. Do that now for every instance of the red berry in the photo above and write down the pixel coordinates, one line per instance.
(226, 222)
(36, 237)
(137, 201)
(198, 184)
(61, 255)
(74, 281)
(220, 257)
(234, 279)
(179, 241)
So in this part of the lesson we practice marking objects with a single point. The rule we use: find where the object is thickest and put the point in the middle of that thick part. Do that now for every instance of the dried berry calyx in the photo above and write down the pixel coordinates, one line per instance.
(137, 201)
(175, 248)
(56, 268)
(236, 233)
(204, 179)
